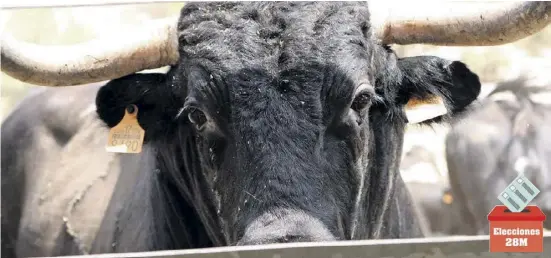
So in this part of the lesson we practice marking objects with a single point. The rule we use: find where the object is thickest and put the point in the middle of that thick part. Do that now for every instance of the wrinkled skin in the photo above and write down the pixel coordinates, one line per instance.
(511, 138)
(281, 122)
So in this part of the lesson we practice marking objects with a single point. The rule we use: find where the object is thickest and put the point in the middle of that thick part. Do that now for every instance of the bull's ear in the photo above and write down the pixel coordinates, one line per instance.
(149, 92)
(434, 89)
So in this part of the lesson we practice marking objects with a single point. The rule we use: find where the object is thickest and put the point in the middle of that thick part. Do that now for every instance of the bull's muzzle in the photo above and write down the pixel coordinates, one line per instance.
(283, 226)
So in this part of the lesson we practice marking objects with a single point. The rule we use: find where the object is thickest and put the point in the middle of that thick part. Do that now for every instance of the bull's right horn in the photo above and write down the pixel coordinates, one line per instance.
(458, 24)
(147, 47)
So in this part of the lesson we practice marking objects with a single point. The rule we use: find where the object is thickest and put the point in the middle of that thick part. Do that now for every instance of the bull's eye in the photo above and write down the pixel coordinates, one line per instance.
(197, 118)
(361, 101)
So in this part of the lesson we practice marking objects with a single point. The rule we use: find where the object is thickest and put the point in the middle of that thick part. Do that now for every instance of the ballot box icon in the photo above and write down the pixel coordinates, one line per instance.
(517, 226)
(516, 231)
(518, 194)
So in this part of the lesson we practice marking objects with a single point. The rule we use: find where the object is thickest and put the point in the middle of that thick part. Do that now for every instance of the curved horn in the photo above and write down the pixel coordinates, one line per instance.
(458, 24)
(147, 47)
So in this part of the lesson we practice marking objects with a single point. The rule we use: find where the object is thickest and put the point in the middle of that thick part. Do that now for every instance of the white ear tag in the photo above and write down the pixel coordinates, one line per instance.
(417, 111)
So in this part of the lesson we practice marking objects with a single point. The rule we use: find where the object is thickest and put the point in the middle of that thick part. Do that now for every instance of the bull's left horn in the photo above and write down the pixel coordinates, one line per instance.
(146, 47)
(458, 24)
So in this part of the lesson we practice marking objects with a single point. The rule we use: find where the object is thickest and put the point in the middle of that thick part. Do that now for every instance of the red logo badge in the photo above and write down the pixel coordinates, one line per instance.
(516, 231)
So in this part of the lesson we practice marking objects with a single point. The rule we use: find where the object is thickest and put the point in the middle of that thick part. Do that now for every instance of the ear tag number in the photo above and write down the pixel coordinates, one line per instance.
(127, 136)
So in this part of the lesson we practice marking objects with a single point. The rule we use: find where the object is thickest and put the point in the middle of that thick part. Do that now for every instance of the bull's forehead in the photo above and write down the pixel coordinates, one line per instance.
(277, 36)
(295, 99)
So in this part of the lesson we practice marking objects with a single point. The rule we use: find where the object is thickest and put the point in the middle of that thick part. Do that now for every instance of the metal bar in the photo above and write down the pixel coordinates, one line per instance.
(18, 4)
(441, 247)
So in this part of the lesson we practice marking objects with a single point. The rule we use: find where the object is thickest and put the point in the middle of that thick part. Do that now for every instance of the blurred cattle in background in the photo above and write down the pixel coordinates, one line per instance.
(53, 146)
(507, 134)
(430, 190)
(419, 172)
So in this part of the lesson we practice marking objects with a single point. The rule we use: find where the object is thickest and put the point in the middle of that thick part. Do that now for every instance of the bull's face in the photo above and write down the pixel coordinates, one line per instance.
(284, 121)
(281, 118)
(283, 152)
(288, 128)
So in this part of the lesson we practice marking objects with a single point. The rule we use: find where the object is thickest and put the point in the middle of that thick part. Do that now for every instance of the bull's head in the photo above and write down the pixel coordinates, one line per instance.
(289, 115)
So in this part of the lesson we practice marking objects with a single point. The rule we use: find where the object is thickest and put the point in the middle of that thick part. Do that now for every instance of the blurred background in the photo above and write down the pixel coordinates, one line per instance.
(530, 56)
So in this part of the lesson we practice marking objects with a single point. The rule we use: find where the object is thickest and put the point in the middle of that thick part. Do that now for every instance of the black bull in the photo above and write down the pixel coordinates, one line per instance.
(489, 148)
(58, 179)
(280, 122)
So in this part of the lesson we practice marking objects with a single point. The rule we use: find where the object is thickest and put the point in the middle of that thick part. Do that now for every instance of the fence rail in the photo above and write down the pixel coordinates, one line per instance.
(441, 247)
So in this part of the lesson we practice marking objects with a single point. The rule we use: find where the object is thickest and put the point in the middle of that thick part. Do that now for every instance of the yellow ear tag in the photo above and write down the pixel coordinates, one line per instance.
(127, 136)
